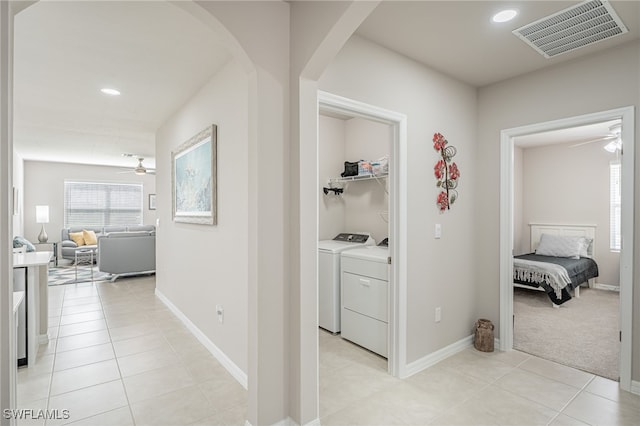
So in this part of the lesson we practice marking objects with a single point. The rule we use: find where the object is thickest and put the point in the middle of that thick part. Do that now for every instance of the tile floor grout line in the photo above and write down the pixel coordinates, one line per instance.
(55, 354)
(126, 394)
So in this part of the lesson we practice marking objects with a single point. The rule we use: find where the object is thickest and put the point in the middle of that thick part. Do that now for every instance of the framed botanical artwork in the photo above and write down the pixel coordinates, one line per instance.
(152, 201)
(194, 180)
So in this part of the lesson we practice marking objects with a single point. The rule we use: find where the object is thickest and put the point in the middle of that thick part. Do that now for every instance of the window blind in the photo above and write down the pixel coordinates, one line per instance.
(102, 204)
(615, 198)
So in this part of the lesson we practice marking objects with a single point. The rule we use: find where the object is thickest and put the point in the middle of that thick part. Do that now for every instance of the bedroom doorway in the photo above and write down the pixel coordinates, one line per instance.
(575, 157)
(509, 138)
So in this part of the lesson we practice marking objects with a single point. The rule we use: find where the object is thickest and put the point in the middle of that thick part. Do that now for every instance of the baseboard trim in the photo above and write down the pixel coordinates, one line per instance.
(635, 387)
(226, 362)
(290, 422)
(437, 356)
(608, 287)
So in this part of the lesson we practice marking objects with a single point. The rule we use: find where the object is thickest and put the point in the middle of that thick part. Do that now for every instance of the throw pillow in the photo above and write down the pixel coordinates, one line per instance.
(560, 246)
(19, 241)
(77, 238)
(90, 238)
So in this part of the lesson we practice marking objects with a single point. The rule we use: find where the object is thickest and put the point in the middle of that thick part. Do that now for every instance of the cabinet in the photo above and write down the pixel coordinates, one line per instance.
(365, 298)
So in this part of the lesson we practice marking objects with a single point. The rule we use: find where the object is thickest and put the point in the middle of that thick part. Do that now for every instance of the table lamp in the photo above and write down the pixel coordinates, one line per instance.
(42, 216)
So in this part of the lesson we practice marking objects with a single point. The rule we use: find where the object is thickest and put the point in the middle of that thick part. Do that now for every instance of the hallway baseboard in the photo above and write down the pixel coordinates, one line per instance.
(218, 354)
(437, 356)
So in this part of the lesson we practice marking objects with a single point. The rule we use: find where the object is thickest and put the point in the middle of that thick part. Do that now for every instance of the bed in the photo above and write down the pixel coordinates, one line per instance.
(561, 260)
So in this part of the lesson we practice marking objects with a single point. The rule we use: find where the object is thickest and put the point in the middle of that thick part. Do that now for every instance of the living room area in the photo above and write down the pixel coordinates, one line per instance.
(88, 198)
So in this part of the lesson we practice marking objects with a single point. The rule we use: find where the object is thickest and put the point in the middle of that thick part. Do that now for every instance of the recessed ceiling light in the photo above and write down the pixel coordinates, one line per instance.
(108, 91)
(504, 16)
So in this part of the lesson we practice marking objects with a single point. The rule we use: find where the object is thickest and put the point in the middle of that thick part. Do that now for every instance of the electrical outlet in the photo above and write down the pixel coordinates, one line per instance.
(220, 313)
(437, 233)
(438, 314)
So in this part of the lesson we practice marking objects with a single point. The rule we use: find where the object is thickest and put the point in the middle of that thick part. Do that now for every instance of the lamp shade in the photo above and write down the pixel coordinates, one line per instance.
(42, 214)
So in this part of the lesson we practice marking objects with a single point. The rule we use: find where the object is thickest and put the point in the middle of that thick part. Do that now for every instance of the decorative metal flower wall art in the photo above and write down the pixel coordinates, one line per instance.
(446, 172)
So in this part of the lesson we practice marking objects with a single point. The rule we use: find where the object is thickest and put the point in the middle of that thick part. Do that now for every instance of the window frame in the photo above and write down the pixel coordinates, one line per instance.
(107, 211)
(615, 206)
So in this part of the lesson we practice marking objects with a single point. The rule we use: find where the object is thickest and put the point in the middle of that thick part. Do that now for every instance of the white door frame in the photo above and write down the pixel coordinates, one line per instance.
(507, 136)
(397, 359)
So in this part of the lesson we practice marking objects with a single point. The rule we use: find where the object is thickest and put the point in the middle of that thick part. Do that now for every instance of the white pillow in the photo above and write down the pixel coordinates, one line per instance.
(587, 247)
(561, 246)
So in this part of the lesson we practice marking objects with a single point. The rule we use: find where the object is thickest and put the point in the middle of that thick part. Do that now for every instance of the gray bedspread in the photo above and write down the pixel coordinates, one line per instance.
(579, 270)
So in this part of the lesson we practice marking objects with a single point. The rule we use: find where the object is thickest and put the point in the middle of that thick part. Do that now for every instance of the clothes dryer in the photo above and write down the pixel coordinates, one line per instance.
(365, 297)
(329, 276)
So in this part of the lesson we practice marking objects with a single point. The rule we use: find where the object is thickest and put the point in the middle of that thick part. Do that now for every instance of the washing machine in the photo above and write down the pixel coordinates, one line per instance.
(329, 276)
(365, 297)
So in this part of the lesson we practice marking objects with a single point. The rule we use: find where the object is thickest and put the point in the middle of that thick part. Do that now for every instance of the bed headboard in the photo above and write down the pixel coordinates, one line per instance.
(537, 229)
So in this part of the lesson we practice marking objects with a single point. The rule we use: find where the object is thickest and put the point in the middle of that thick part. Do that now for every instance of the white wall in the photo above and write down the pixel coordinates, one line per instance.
(366, 201)
(595, 83)
(331, 208)
(440, 272)
(200, 266)
(359, 207)
(520, 227)
(571, 185)
(44, 185)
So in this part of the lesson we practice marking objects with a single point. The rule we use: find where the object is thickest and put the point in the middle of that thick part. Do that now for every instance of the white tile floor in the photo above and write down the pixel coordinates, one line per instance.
(469, 388)
(118, 356)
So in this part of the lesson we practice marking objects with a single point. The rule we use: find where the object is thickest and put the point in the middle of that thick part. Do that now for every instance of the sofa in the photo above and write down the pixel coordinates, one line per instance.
(127, 253)
(69, 246)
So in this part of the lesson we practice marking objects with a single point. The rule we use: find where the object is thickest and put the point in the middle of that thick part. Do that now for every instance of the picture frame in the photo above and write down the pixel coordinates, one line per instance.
(152, 201)
(194, 179)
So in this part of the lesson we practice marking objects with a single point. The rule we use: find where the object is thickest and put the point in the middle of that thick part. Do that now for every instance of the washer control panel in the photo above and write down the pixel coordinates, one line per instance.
(352, 238)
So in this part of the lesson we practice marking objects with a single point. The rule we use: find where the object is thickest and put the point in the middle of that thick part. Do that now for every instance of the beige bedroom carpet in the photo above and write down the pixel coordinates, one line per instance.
(583, 333)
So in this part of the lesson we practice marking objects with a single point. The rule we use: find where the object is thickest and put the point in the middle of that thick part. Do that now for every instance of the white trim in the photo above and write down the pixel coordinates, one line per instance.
(397, 217)
(218, 354)
(437, 356)
(290, 422)
(607, 287)
(507, 136)
(635, 387)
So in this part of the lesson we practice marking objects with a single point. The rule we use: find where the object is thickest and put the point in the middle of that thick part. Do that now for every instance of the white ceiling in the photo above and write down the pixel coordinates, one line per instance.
(592, 133)
(459, 39)
(65, 52)
(158, 57)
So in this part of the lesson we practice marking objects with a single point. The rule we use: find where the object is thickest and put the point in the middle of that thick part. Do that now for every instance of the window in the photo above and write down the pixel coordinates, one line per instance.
(614, 206)
(102, 204)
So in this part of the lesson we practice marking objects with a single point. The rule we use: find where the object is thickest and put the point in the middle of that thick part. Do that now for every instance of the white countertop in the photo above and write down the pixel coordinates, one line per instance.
(34, 258)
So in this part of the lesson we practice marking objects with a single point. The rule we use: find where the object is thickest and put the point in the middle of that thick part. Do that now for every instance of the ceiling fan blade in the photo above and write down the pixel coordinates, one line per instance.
(602, 139)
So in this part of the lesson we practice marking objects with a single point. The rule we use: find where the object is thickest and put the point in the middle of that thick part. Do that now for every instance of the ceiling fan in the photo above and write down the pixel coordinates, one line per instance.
(614, 139)
(140, 169)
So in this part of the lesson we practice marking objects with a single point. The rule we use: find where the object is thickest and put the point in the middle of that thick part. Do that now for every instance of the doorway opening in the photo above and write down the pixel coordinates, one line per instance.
(551, 172)
(508, 138)
(393, 219)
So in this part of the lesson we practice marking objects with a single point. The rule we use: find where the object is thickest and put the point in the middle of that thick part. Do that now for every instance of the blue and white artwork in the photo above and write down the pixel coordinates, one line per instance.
(194, 179)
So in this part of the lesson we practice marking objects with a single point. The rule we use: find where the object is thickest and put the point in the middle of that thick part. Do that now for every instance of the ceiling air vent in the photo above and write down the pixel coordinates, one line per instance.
(578, 26)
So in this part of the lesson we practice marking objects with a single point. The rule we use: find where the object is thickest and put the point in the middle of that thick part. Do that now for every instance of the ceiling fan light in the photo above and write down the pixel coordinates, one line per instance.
(612, 146)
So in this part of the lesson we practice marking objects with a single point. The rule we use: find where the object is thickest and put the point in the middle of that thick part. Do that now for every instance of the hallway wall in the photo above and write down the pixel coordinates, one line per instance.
(595, 83)
(433, 102)
(201, 266)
